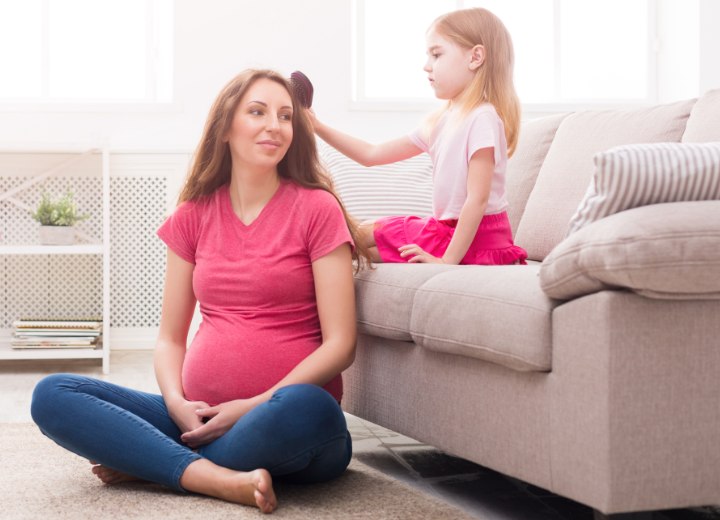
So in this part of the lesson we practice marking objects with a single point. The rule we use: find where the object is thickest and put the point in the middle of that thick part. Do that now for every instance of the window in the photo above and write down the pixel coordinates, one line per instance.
(79, 51)
(566, 51)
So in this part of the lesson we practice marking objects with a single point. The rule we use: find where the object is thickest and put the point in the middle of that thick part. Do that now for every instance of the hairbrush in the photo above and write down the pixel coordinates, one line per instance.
(302, 87)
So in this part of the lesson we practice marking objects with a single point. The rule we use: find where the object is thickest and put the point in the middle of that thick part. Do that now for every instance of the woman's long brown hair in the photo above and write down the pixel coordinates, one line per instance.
(212, 164)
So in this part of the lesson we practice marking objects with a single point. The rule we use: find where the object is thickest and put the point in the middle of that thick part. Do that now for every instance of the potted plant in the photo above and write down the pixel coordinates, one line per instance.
(57, 219)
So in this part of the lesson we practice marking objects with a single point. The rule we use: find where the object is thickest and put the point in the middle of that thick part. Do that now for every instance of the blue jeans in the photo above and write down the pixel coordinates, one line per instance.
(299, 435)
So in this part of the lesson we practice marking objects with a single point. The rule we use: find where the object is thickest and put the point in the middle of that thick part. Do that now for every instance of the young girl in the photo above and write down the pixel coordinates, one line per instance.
(470, 63)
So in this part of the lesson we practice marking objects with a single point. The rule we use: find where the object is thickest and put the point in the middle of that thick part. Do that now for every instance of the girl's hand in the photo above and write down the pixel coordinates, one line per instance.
(182, 412)
(312, 117)
(214, 421)
(418, 255)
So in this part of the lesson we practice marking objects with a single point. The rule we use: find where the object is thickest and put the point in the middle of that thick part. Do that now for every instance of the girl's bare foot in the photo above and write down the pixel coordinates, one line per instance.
(110, 476)
(252, 488)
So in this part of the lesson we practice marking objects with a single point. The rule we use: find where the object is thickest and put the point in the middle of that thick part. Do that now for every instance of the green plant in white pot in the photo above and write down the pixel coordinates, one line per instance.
(57, 219)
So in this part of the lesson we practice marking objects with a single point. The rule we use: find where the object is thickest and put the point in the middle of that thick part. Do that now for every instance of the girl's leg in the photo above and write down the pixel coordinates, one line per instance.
(300, 434)
(366, 230)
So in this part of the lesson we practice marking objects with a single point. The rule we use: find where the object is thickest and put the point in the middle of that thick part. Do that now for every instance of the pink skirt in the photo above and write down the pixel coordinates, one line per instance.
(492, 245)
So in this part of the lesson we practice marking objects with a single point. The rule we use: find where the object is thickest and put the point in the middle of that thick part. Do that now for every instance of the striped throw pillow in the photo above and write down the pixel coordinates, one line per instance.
(635, 175)
(402, 188)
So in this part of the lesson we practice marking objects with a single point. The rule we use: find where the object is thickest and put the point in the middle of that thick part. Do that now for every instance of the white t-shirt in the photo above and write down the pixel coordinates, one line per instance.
(451, 145)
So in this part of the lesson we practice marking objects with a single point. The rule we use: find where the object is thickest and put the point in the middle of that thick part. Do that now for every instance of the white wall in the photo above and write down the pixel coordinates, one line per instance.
(709, 37)
(679, 63)
(217, 38)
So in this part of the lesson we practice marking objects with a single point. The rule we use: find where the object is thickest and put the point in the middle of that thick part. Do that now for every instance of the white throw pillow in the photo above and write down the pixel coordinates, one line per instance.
(635, 175)
(402, 188)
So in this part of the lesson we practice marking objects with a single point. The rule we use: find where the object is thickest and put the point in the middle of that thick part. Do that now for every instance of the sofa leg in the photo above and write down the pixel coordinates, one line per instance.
(643, 515)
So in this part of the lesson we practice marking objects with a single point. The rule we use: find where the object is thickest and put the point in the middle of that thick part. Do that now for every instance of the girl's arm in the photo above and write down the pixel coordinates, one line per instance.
(335, 294)
(480, 173)
(363, 152)
(177, 312)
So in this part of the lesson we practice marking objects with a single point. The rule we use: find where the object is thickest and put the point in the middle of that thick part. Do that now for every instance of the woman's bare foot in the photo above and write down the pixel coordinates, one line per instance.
(253, 488)
(110, 476)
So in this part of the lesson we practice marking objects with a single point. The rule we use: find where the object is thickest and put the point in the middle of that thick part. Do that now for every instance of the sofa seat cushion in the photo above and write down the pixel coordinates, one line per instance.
(495, 313)
(385, 297)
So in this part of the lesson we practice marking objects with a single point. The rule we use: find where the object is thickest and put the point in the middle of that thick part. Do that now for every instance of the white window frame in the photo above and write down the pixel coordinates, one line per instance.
(360, 102)
(149, 103)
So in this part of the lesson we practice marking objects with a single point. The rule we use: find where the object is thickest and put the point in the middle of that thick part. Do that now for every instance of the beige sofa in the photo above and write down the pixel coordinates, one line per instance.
(594, 371)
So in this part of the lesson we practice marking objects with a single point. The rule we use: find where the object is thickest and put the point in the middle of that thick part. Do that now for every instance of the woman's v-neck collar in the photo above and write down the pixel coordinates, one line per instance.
(266, 210)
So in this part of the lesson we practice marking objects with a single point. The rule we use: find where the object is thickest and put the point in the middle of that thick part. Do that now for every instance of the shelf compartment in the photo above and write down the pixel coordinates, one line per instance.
(7, 352)
(29, 171)
(75, 249)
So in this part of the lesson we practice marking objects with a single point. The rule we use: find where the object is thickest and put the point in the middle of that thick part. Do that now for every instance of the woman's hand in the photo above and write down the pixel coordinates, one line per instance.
(214, 421)
(418, 255)
(183, 413)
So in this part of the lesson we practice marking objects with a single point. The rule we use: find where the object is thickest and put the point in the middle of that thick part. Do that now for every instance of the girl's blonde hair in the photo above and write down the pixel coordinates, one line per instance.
(493, 81)
(212, 164)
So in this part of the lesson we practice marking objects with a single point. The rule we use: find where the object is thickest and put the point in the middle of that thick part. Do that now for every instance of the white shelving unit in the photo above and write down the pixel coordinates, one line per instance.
(99, 246)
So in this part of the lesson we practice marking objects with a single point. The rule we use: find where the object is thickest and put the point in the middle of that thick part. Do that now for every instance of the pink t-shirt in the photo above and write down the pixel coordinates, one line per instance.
(255, 287)
(452, 143)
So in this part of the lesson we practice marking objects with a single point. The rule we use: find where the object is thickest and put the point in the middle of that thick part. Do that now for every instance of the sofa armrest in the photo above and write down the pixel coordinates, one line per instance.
(667, 251)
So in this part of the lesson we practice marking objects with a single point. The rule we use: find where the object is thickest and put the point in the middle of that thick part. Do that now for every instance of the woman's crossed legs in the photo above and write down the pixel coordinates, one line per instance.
(300, 434)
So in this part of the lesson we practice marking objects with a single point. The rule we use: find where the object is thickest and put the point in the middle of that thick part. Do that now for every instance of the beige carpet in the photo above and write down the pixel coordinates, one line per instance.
(38, 479)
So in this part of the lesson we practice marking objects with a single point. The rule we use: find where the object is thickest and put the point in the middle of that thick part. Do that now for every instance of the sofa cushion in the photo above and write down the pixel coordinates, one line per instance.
(660, 251)
(704, 122)
(522, 168)
(495, 313)
(402, 188)
(568, 167)
(385, 297)
(637, 175)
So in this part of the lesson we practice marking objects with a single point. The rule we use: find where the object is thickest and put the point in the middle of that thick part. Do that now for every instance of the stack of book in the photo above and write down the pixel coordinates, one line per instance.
(68, 333)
